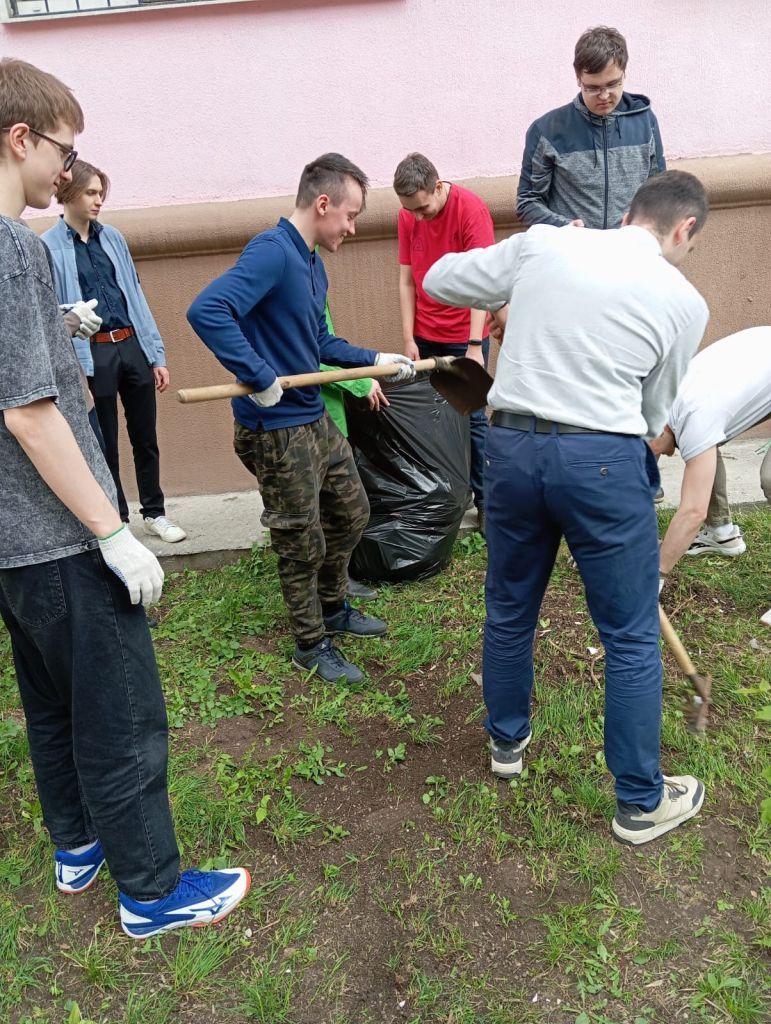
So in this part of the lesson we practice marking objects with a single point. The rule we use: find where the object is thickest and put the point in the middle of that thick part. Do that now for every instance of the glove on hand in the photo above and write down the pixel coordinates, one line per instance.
(134, 565)
(270, 396)
(406, 369)
(90, 322)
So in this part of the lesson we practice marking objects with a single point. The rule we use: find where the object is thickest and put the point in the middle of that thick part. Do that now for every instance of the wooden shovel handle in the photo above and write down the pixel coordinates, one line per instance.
(304, 380)
(675, 644)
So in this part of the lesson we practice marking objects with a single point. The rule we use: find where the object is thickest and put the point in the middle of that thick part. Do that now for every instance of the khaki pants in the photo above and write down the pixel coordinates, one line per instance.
(719, 512)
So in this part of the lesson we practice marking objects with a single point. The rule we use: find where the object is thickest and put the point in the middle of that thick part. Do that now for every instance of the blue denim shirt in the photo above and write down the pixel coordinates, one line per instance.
(96, 275)
(62, 249)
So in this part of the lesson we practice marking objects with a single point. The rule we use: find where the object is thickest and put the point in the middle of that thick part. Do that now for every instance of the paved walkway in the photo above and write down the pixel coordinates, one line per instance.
(221, 527)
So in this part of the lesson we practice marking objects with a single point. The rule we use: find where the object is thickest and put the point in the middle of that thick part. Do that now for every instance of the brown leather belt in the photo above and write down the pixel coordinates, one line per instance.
(120, 335)
(517, 421)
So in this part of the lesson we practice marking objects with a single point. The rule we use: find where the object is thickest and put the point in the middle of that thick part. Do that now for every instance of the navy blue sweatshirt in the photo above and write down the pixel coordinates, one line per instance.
(264, 318)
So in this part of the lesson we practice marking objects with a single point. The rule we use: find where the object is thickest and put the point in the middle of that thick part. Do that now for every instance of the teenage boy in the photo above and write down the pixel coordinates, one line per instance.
(125, 356)
(726, 390)
(584, 162)
(438, 217)
(72, 575)
(264, 318)
(605, 326)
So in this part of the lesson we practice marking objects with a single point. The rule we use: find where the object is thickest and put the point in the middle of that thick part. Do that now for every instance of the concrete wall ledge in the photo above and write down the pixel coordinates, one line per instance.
(202, 229)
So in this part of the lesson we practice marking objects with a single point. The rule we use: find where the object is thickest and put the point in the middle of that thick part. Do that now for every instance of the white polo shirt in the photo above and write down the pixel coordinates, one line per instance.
(726, 390)
(600, 330)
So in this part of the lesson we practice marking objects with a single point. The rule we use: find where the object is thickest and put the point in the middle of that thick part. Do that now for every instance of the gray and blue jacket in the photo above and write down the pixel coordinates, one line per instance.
(67, 283)
(579, 165)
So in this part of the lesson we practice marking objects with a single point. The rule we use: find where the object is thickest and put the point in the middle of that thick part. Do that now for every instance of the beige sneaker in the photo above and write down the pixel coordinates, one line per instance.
(682, 799)
(162, 527)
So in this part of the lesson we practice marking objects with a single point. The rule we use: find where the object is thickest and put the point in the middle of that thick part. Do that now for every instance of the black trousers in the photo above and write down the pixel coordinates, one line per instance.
(122, 369)
(96, 719)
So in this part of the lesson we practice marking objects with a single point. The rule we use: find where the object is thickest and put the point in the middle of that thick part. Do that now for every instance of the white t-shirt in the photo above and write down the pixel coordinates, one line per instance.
(726, 390)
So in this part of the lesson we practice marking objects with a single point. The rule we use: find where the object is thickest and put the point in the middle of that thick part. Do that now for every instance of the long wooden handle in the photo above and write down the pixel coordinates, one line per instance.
(304, 380)
(675, 644)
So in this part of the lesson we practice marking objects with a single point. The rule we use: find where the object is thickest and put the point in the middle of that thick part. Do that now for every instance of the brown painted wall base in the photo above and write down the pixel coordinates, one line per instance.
(179, 249)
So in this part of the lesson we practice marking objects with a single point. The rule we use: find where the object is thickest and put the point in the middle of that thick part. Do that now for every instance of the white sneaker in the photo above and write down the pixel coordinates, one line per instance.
(506, 758)
(162, 527)
(706, 543)
(682, 799)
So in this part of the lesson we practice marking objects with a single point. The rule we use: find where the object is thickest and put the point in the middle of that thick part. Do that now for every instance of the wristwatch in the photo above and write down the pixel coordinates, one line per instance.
(475, 341)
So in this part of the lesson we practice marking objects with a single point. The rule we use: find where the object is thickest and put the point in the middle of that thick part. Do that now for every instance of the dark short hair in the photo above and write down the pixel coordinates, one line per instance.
(599, 47)
(329, 175)
(667, 198)
(31, 96)
(415, 173)
(82, 173)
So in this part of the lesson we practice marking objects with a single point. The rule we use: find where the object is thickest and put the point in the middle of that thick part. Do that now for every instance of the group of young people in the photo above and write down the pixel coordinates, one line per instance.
(588, 368)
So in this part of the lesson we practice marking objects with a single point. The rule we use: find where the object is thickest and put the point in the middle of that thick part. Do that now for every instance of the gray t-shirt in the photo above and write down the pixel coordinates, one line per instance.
(37, 361)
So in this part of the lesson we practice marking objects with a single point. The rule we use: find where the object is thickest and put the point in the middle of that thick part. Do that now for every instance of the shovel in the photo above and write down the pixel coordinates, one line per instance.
(462, 381)
(697, 706)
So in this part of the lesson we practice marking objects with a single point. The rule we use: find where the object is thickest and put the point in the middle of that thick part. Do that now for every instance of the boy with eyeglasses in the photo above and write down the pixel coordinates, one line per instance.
(71, 574)
(584, 162)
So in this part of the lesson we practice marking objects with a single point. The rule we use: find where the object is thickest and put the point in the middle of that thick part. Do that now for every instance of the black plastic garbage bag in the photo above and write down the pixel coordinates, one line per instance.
(413, 459)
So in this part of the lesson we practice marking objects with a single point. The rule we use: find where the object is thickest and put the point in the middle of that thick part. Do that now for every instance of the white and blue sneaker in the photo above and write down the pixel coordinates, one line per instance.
(200, 898)
(76, 872)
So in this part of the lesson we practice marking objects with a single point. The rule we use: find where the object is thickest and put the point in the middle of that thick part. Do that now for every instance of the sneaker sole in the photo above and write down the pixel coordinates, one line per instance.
(724, 552)
(67, 890)
(346, 632)
(508, 771)
(629, 838)
(174, 925)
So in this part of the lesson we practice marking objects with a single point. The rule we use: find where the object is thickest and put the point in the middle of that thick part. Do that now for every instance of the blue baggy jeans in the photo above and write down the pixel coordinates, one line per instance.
(96, 718)
(597, 491)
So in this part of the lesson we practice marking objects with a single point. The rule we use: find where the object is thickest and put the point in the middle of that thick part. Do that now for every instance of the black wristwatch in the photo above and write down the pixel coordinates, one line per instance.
(475, 341)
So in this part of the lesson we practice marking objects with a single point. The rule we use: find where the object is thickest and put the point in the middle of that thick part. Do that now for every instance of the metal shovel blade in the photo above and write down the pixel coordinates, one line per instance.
(463, 382)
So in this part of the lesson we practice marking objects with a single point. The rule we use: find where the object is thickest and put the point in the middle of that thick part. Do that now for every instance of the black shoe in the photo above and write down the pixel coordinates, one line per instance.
(349, 620)
(360, 590)
(329, 663)
(481, 519)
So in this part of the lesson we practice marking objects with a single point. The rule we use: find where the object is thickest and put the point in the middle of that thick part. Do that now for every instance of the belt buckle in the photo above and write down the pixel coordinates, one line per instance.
(113, 339)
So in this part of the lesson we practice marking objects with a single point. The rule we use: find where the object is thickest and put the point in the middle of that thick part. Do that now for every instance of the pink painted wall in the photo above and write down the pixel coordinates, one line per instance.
(229, 102)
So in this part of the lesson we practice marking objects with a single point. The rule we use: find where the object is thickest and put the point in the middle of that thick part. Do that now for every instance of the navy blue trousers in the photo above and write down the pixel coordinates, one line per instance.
(597, 491)
(478, 422)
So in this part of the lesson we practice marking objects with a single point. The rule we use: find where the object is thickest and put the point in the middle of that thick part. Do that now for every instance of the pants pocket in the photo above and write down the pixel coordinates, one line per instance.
(34, 594)
(292, 535)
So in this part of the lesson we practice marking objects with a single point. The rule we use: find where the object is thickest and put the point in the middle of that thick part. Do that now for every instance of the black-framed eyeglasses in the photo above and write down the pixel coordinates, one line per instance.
(70, 155)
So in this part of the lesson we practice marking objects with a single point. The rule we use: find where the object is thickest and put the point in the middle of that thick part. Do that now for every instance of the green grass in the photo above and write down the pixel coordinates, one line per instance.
(393, 878)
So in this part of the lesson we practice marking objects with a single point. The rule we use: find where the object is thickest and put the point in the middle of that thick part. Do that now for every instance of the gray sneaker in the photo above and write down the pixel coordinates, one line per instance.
(506, 758)
(682, 799)
(361, 591)
(328, 662)
(350, 620)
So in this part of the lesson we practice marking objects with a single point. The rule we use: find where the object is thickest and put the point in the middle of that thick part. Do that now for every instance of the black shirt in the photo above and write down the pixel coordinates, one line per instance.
(96, 275)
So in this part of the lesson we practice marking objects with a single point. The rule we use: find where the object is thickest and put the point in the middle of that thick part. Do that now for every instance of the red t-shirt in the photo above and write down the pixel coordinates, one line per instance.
(464, 223)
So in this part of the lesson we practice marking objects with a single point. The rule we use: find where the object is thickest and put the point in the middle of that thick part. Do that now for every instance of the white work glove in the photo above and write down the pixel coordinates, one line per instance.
(662, 581)
(134, 565)
(406, 369)
(90, 322)
(270, 396)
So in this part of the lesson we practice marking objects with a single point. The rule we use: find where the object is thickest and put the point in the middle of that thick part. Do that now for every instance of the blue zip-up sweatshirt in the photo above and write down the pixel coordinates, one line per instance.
(579, 165)
(264, 318)
(62, 249)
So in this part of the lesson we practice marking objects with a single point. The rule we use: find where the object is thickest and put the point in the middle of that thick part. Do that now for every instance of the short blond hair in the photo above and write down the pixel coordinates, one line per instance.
(33, 97)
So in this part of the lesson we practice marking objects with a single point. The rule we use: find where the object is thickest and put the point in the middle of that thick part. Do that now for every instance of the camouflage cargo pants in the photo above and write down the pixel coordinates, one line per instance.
(315, 508)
